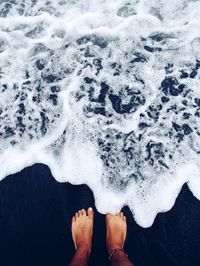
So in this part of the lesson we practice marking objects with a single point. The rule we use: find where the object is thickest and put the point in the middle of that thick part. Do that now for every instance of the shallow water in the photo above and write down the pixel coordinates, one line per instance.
(105, 93)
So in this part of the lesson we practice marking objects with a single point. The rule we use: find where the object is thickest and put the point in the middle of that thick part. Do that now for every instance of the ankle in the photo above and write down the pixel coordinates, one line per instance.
(113, 247)
(117, 254)
(84, 249)
(81, 256)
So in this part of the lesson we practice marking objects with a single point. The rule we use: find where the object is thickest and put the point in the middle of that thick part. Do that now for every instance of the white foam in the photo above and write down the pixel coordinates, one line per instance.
(88, 131)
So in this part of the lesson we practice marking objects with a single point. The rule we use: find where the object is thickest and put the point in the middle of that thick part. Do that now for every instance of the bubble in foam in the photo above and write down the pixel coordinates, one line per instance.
(105, 93)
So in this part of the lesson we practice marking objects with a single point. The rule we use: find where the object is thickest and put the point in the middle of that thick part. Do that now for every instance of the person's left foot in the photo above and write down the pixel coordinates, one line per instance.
(82, 229)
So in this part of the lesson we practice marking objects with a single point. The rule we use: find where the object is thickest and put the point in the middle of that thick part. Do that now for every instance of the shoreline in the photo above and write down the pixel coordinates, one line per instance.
(35, 222)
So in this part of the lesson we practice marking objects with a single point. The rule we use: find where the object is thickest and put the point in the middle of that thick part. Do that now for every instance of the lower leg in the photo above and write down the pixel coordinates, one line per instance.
(81, 257)
(82, 231)
(120, 259)
(116, 228)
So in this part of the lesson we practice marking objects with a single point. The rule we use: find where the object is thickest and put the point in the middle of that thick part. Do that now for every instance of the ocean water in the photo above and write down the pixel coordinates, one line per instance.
(106, 93)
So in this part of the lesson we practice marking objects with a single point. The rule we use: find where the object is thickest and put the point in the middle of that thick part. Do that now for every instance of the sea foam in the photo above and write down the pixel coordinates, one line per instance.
(106, 93)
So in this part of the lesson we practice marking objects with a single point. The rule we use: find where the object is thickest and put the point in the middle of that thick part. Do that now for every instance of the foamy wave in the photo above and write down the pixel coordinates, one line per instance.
(105, 93)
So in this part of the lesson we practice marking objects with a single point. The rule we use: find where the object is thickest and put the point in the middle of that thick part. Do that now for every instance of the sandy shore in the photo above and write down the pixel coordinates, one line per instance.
(35, 217)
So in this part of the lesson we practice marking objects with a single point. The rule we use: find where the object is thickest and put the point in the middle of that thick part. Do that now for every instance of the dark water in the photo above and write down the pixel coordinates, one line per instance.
(35, 220)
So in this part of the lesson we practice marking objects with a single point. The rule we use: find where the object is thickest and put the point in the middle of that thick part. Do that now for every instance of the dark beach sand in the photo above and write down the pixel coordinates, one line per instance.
(35, 221)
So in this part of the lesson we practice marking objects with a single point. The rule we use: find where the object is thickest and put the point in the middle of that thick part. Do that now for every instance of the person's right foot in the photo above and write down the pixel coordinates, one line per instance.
(82, 229)
(116, 229)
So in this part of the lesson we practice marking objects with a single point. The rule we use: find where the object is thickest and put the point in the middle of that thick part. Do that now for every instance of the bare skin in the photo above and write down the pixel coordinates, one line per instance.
(116, 229)
(82, 231)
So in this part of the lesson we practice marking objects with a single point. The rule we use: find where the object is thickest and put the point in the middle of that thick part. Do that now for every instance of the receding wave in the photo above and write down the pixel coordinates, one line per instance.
(106, 93)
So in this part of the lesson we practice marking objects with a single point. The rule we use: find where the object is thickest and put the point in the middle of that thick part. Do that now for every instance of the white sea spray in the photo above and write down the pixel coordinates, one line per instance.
(105, 93)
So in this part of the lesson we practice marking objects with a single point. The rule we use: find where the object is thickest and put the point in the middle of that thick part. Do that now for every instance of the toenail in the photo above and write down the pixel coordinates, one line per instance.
(90, 209)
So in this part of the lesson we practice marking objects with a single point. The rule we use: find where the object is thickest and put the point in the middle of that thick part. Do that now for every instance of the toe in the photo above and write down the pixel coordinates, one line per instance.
(83, 212)
(108, 216)
(90, 212)
(79, 213)
(76, 215)
(121, 215)
(125, 223)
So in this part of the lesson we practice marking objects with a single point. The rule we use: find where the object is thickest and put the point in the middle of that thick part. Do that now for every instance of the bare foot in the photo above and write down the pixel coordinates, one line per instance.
(82, 229)
(116, 229)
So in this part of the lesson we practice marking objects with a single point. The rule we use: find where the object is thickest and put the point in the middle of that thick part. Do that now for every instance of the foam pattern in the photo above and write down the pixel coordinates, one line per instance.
(106, 93)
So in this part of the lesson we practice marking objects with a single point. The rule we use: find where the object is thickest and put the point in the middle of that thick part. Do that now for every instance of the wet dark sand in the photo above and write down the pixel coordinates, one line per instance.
(35, 221)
